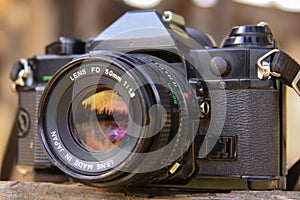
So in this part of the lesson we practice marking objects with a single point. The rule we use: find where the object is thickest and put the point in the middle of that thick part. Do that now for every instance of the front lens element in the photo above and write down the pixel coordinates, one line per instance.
(98, 119)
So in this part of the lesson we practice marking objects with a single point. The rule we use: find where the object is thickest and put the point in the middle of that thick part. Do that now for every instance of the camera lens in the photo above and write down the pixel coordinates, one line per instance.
(112, 119)
(98, 119)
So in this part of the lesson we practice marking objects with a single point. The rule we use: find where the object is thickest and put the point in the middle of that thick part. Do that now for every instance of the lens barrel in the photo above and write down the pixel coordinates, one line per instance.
(112, 119)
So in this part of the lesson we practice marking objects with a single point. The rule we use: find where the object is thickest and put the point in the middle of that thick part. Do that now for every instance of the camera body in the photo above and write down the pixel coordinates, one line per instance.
(235, 141)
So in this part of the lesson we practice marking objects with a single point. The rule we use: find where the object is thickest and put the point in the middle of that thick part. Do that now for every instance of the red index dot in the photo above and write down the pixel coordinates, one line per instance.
(186, 95)
(131, 43)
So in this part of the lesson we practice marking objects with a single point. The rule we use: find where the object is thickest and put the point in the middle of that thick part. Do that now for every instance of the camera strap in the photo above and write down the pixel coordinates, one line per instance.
(282, 67)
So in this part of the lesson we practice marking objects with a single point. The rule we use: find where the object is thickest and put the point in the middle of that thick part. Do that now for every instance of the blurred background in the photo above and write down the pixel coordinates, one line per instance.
(26, 26)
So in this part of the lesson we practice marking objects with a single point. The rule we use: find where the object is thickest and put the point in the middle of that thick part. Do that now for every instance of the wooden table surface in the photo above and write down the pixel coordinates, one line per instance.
(32, 191)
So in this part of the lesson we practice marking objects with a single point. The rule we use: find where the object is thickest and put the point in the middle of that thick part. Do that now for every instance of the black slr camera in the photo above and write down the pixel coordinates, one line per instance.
(150, 102)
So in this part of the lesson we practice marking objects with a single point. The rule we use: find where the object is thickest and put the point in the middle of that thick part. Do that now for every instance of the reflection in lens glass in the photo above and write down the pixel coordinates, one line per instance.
(99, 119)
